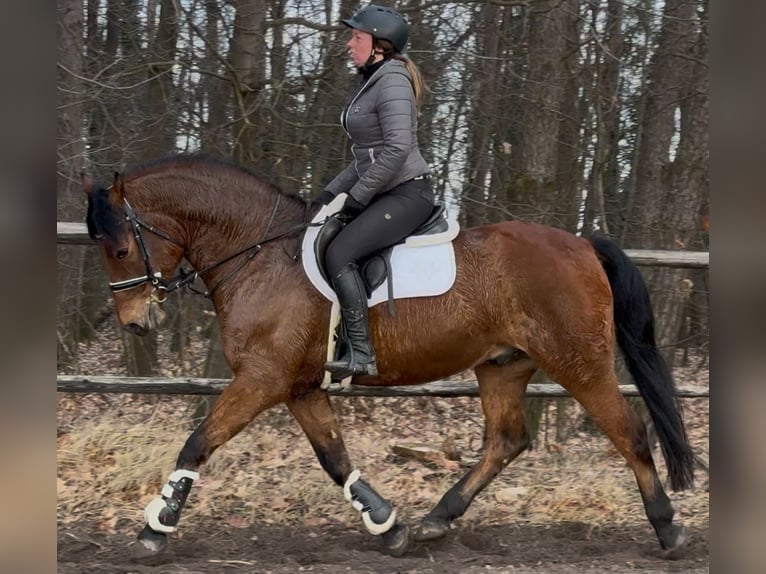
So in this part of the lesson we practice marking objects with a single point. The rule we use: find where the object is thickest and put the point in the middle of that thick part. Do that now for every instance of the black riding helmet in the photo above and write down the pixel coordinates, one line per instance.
(383, 23)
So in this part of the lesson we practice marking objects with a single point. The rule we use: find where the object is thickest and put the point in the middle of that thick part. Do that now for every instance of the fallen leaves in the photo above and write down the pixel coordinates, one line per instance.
(511, 494)
(237, 521)
(427, 455)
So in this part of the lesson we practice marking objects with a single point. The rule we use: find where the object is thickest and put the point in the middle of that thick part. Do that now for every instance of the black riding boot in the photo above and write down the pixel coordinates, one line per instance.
(359, 358)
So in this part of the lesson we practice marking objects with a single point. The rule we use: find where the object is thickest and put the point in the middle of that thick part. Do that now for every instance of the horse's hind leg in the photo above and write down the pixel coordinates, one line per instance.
(315, 414)
(612, 413)
(238, 404)
(502, 390)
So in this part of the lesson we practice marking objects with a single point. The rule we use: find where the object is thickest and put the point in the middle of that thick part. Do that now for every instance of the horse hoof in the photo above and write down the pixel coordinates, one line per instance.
(397, 540)
(150, 543)
(430, 530)
(675, 549)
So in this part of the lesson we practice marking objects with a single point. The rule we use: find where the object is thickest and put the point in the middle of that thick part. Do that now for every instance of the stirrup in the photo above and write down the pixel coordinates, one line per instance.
(341, 370)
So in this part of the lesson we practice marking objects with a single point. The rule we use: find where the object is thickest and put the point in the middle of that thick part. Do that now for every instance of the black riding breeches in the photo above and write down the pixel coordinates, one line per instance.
(389, 218)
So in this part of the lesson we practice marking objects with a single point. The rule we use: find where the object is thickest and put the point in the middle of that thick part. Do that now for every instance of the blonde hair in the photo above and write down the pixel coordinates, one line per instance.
(418, 85)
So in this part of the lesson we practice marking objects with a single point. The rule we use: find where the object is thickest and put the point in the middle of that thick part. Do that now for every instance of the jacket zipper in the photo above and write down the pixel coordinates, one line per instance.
(344, 121)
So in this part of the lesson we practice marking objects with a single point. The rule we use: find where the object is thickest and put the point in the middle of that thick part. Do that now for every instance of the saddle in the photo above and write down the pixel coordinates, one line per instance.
(376, 268)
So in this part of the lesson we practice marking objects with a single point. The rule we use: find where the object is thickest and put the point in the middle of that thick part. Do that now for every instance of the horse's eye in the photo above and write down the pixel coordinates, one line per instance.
(122, 253)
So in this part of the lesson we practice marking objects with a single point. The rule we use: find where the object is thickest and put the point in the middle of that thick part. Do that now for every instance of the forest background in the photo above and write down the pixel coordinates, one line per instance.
(590, 116)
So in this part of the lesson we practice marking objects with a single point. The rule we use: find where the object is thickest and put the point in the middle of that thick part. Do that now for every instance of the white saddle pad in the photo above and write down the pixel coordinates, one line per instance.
(423, 266)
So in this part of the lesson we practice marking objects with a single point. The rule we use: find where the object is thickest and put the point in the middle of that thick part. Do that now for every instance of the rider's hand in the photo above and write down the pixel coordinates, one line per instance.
(321, 200)
(352, 207)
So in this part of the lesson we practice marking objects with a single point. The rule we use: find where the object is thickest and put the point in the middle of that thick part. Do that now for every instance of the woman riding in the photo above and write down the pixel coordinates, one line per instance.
(387, 182)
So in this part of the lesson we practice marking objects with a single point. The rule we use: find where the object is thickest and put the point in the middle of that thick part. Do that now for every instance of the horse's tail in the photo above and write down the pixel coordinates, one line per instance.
(634, 323)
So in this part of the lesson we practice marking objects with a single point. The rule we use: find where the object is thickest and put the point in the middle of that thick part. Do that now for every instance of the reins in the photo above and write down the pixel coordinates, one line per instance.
(186, 278)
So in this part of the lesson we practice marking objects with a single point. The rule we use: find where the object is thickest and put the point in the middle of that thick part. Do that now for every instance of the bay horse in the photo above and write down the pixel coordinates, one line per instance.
(526, 297)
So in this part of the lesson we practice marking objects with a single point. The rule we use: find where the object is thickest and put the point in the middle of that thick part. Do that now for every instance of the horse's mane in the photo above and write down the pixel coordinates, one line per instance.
(198, 159)
(106, 220)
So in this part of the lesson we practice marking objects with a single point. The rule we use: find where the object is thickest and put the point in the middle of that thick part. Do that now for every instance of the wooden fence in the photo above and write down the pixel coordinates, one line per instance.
(192, 386)
(76, 234)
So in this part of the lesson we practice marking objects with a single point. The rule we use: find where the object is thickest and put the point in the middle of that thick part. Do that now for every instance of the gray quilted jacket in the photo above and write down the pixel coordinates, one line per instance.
(382, 122)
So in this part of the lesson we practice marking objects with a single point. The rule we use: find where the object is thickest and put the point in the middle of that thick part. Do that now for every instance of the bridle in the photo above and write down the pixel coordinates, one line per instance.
(186, 278)
(153, 277)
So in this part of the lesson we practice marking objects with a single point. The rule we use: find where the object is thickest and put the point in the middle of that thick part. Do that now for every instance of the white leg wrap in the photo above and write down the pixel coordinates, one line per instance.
(156, 505)
(378, 529)
(352, 478)
(180, 473)
(152, 516)
(372, 527)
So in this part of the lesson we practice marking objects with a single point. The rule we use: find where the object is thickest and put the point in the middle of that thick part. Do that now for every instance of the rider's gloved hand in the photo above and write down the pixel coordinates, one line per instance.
(321, 200)
(352, 207)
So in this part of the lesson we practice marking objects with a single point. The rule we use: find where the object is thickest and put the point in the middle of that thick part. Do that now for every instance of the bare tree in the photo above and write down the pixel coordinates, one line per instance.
(70, 149)
(532, 187)
(567, 192)
(216, 90)
(604, 177)
(662, 215)
(690, 183)
(161, 98)
(247, 57)
(484, 96)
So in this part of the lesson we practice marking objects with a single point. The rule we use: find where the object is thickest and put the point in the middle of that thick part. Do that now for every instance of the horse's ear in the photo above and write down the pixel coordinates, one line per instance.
(117, 191)
(87, 183)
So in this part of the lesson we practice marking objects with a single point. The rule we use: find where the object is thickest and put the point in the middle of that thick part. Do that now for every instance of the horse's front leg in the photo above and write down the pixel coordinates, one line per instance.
(315, 414)
(239, 403)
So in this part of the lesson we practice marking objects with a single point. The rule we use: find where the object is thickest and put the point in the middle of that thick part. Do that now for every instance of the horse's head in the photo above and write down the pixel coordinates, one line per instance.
(136, 255)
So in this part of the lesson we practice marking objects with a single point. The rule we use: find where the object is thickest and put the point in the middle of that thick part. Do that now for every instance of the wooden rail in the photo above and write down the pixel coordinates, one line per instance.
(72, 233)
(77, 234)
(192, 386)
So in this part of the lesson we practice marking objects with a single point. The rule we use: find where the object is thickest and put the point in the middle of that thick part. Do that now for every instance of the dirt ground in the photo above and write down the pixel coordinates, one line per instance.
(561, 548)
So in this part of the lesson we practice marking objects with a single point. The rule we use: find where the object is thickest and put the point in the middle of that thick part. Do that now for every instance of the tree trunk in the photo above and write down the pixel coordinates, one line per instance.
(217, 93)
(504, 118)
(159, 127)
(247, 57)
(534, 158)
(474, 196)
(70, 149)
(609, 111)
(661, 214)
(567, 195)
(690, 180)
(602, 210)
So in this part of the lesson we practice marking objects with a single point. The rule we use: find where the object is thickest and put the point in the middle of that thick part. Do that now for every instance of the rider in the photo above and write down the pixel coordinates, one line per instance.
(387, 182)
